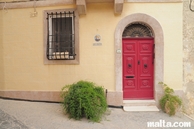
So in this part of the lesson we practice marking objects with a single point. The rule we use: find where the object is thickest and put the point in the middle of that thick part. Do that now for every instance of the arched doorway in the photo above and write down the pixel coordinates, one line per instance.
(156, 28)
(138, 62)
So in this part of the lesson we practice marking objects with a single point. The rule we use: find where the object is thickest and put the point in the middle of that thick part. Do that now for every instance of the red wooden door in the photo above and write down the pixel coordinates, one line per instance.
(138, 68)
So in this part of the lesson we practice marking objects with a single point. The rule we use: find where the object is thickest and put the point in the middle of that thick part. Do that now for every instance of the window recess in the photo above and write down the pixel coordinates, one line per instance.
(61, 36)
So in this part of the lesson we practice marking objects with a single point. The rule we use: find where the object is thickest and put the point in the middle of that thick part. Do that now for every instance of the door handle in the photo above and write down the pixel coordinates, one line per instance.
(129, 76)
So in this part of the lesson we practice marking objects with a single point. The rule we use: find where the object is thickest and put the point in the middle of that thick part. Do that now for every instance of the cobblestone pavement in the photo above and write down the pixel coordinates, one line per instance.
(37, 115)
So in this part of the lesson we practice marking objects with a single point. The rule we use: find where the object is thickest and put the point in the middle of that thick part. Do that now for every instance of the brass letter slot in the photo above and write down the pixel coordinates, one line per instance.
(129, 76)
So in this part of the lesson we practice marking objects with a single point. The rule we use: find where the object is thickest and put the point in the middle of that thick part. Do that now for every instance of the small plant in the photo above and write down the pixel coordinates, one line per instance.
(169, 102)
(84, 99)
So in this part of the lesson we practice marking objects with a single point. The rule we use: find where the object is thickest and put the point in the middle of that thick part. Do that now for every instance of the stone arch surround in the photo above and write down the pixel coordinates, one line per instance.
(159, 51)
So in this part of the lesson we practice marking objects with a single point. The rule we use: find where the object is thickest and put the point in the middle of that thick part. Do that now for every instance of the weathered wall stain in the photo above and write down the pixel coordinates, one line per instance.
(188, 59)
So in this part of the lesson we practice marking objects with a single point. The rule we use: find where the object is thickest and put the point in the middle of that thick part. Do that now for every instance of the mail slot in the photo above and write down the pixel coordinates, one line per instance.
(129, 76)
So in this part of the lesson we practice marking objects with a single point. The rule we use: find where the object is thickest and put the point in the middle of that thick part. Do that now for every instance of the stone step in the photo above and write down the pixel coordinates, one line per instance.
(140, 108)
(140, 105)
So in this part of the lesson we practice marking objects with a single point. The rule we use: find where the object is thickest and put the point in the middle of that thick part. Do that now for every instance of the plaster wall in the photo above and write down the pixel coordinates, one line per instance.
(21, 47)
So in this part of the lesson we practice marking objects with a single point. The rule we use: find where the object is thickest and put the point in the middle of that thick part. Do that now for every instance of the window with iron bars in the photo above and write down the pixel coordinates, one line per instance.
(61, 36)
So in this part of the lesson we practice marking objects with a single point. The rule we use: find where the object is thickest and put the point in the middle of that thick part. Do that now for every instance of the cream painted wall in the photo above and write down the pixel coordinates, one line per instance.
(21, 47)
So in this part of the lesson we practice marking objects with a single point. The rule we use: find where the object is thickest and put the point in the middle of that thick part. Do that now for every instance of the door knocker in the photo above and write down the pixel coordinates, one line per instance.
(129, 65)
(145, 66)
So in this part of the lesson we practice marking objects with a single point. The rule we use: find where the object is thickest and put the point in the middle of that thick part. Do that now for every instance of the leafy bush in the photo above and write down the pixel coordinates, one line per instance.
(169, 102)
(84, 99)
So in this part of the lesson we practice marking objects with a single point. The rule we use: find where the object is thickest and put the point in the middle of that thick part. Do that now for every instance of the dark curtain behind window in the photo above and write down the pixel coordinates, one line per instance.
(62, 34)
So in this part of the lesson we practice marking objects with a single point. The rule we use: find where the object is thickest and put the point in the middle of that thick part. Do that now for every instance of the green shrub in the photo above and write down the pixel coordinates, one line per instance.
(169, 102)
(84, 99)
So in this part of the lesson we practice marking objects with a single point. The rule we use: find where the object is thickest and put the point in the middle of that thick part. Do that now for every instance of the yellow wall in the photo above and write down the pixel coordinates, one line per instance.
(21, 47)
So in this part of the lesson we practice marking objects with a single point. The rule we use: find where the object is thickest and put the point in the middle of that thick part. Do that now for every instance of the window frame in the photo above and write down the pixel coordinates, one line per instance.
(76, 32)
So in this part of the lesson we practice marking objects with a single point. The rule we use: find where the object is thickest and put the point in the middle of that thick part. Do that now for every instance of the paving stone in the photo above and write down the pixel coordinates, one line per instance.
(9, 122)
(36, 115)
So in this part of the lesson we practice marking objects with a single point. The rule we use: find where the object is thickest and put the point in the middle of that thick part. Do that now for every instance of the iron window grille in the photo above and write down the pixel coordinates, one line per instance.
(61, 36)
(137, 30)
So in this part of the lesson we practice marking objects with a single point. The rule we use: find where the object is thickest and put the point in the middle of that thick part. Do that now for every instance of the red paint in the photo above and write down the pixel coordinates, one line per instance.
(138, 68)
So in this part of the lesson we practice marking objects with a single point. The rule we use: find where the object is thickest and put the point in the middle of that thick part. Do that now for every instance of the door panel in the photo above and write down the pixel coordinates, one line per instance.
(129, 63)
(129, 48)
(145, 65)
(145, 83)
(138, 68)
